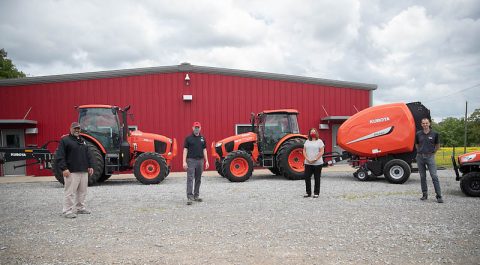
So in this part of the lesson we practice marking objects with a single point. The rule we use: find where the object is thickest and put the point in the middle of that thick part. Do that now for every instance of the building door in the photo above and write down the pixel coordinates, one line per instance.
(13, 138)
(335, 147)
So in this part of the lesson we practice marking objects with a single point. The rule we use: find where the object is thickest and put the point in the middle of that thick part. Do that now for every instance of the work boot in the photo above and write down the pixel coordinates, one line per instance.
(424, 197)
(440, 199)
(189, 202)
(198, 199)
(84, 211)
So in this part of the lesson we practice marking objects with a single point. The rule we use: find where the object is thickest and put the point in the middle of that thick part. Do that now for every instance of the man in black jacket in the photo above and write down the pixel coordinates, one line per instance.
(76, 163)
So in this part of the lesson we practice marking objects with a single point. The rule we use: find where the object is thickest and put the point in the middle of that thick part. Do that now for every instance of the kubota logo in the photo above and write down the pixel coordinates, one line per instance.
(383, 119)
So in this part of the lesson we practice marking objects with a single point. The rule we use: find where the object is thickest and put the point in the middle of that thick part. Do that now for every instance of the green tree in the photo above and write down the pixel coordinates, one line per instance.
(7, 68)
(473, 128)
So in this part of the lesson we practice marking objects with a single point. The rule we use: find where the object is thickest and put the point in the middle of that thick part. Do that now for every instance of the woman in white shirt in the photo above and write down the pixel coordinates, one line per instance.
(313, 150)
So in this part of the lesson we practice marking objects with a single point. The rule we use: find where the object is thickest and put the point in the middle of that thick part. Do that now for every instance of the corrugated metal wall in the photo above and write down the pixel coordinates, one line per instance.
(219, 102)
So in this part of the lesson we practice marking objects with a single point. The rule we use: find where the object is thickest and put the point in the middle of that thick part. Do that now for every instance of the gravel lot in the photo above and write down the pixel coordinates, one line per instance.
(262, 221)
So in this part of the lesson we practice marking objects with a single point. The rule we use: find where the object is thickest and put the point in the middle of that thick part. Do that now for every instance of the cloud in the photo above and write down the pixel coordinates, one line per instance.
(414, 51)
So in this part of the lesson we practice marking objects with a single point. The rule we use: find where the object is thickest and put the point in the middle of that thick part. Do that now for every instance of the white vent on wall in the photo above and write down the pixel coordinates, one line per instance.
(187, 97)
(31, 131)
(323, 126)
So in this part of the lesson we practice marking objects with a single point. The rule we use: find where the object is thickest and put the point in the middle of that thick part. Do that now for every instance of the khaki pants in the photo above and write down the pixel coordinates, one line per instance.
(75, 187)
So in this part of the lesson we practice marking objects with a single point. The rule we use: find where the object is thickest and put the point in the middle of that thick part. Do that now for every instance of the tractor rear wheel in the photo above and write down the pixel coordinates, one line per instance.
(290, 159)
(150, 168)
(219, 168)
(275, 171)
(103, 178)
(397, 171)
(237, 166)
(470, 184)
(98, 166)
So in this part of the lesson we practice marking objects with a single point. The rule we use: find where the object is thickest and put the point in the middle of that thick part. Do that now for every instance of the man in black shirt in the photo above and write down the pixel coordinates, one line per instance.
(427, 144)
(194, 153)
(74, 160)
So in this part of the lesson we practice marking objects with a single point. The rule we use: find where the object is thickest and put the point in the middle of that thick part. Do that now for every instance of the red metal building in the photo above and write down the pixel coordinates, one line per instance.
(166, 100)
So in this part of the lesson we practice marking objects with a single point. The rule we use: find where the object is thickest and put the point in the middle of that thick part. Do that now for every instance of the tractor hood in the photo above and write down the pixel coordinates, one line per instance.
(472, 157)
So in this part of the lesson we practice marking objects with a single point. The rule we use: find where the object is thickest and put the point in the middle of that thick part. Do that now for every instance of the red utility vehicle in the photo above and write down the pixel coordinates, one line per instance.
(469, 166)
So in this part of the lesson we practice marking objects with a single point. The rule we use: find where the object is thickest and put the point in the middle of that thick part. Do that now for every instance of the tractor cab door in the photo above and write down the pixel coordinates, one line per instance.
(273, 127)
(102, 124)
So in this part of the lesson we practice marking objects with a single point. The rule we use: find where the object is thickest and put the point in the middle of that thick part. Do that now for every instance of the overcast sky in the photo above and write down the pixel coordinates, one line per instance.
(426, 51)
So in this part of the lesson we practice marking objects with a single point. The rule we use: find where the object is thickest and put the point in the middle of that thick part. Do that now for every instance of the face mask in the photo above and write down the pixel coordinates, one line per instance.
(196, 130)
(313, 135)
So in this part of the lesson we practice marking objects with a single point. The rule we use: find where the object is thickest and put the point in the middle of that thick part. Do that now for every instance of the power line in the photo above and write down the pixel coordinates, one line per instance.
(457, 92)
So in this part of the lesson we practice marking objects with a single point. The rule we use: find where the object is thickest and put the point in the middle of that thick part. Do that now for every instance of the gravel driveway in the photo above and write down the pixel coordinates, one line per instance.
(262, 221)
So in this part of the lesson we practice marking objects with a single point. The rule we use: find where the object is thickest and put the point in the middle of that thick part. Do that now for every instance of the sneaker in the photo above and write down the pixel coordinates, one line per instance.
(197, 199)
(84, 211)
(424, 197)
(439, 200)
(307, 195)
(315, 196)
(70, 215)
(189, 202)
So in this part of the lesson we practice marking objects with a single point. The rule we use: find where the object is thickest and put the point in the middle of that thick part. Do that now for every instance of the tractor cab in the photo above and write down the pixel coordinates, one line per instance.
(101, 123)
(273, 126)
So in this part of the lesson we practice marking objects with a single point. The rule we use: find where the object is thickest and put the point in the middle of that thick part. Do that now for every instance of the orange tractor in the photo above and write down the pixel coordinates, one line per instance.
(273, 143)
(115, 148)
(469, 166)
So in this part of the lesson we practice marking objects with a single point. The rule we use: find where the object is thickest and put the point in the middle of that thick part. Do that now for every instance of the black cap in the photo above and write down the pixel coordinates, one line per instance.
(75, 125)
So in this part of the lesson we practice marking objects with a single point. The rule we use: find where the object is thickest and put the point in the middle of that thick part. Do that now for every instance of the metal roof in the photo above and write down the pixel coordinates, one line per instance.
(182, 68)
(11, 122)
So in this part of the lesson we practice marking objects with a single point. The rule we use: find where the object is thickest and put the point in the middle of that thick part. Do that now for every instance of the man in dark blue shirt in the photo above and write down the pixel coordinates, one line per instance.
(427, 144)
(194, 153)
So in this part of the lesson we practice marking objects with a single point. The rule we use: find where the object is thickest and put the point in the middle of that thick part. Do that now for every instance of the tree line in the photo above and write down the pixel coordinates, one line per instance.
(452, 130)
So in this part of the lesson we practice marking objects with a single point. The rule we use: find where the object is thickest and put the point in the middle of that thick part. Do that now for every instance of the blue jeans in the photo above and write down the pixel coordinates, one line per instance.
(424, 161)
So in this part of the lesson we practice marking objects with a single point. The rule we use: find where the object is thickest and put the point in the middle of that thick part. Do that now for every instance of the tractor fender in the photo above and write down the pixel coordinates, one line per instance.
(286, 138)
(95, 141)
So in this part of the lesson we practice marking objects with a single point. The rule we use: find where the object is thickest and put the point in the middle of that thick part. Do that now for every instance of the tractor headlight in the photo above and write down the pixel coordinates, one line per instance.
(468, 158)
(218, 144)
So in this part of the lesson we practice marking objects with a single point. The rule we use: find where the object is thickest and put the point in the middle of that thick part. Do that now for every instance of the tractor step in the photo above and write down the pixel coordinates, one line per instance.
(112, 163)
(268, 161)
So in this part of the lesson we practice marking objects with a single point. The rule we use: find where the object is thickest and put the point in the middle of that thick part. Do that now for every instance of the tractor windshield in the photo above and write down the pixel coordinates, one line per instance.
(274, 127)
(101, 124)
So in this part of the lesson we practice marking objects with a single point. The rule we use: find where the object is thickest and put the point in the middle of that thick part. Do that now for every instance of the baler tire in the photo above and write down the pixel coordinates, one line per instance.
(397, 171)
(284, 155)
(241, 163)
(362, 175)
(150, 168)
(470, 184)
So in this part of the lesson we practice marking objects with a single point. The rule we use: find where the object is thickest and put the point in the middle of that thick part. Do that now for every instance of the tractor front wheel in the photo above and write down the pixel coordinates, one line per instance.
(150, 168)
(290, 159)
(396, 171)
(470, 184)
(237, 166)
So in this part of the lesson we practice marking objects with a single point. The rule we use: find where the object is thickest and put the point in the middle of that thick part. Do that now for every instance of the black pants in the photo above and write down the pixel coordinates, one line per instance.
(317, 173)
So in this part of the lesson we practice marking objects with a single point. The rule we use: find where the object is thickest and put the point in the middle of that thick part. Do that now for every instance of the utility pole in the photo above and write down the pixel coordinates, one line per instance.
(465, 136)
